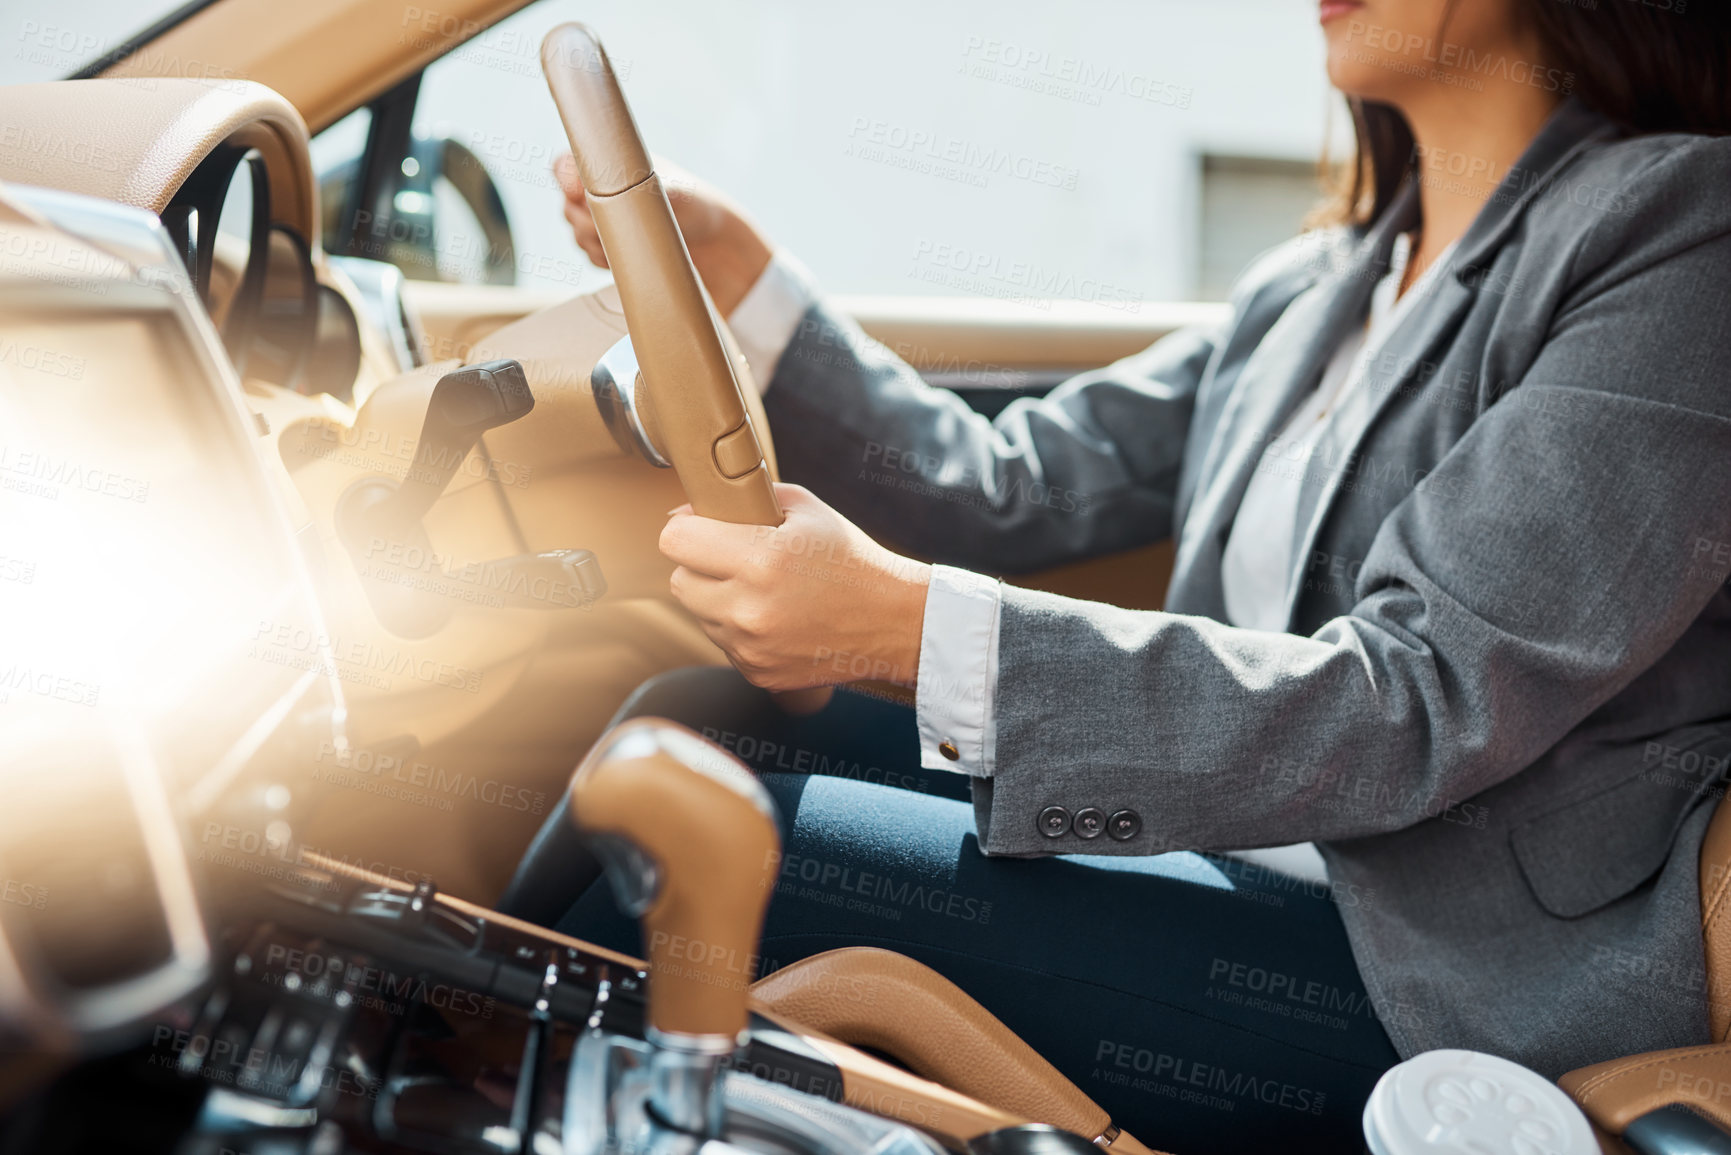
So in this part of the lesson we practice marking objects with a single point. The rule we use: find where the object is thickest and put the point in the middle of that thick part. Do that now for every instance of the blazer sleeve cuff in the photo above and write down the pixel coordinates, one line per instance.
(766, 319)
(958, 672)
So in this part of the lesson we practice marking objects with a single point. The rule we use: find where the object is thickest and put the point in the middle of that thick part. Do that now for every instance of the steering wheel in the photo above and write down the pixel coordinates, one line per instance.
(699, 418)
(690, 399)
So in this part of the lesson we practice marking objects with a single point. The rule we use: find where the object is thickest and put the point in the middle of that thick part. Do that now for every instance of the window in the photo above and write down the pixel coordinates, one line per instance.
(51, 42)
(1249, 205)
(1013, 150)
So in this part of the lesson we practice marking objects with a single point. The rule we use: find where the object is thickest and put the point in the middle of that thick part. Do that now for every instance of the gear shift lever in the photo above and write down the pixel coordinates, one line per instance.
(690, 842)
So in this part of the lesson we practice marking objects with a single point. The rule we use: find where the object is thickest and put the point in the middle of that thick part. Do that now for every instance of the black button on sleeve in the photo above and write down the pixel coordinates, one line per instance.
(1054, 822)
(1124, 825)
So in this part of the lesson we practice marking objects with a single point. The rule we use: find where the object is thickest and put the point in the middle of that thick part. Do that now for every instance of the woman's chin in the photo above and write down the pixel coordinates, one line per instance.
(1356, 80)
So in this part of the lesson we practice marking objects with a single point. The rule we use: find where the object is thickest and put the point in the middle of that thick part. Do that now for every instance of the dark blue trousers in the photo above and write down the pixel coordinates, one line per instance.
(1207, 1004)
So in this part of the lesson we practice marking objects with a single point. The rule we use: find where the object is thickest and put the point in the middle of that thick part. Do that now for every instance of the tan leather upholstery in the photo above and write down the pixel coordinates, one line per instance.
(1716, 919)
(983, 335)
(1614, 1094)
(137, 141)
(892, 1004)
(326, 56)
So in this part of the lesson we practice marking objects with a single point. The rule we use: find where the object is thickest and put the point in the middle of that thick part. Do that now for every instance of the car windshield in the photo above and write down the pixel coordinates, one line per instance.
(52, 43)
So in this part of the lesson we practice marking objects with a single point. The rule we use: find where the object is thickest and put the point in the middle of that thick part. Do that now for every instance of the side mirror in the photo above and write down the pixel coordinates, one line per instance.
(436, 214)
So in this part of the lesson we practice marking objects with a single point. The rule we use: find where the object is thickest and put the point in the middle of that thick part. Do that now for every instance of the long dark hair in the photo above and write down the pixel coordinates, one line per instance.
(1647, 67)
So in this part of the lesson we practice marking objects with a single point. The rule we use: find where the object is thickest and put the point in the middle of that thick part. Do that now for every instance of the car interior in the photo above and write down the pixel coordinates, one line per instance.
(397, 555)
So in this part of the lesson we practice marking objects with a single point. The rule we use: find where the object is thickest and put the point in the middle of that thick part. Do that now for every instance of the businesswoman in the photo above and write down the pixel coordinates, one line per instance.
(1451, 493)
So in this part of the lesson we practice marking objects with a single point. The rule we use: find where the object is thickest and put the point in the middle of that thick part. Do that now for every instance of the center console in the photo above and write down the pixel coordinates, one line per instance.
(350, 1012)
(356, 1014)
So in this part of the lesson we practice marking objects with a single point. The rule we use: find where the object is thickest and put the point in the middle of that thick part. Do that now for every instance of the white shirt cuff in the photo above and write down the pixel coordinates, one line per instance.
(767, 317)
(958, 672)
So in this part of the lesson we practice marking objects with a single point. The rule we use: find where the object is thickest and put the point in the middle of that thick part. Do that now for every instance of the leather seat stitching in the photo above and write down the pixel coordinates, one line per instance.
(1715, 907)
(1598, 1082)
(1592, 1086)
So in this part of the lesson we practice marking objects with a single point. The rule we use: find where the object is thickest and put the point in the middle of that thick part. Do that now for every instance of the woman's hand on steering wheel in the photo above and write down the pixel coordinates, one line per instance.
(727, 249)
(811, 602)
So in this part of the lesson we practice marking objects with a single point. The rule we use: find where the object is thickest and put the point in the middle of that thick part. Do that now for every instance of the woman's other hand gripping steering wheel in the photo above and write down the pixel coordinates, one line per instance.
(729, 251)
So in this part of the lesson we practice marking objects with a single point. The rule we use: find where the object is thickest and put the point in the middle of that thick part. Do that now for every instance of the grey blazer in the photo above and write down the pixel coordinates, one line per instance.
(1503, 704)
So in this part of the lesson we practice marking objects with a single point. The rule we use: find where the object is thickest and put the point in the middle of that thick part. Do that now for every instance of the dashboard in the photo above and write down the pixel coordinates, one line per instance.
(179, 971)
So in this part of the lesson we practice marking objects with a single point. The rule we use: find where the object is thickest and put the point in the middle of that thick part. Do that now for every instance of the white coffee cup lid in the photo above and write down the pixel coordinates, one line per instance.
(1470, 1103)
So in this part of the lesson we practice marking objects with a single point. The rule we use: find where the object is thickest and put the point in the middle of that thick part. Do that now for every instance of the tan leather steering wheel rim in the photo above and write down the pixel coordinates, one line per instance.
(694, 407)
